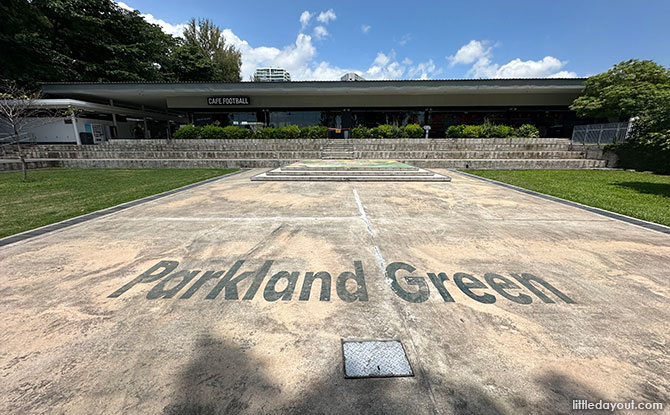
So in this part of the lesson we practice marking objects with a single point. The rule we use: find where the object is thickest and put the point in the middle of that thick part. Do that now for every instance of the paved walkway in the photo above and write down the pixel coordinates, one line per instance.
(149, 310)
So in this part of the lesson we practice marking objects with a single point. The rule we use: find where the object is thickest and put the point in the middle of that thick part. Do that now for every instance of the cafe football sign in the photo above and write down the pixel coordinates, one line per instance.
(228, 100)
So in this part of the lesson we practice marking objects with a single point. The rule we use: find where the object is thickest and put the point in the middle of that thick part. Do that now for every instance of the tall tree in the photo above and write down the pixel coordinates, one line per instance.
(189, 63)
(639, 89)
(631, 88)
(80, 40)
(208, 38)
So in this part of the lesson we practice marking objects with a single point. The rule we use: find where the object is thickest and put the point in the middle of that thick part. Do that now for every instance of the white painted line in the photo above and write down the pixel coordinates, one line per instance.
(368, 225)
(363, 215)
(240, 219)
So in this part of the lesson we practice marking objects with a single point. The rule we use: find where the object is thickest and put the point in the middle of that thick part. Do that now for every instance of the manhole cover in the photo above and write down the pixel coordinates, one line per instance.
(375, 359)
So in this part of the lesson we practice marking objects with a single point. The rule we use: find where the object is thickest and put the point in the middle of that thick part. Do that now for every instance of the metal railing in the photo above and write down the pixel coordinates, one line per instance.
(609, 133)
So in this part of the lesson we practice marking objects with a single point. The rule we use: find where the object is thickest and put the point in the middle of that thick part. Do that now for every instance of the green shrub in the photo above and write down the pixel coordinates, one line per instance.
(648, 146)
(361, 132)
(488, 130)
(212, 132)
(231, 132)
(306, 132)
(529, 131)
(472, 131)
(315, 131)
(413, 131)
(244, 133)
(455, 131)
(322, 131)
(398, 132)
(506, 131)
(187, 132)
(382, 131)
(266, 133)
(502, 131)
(289, 131)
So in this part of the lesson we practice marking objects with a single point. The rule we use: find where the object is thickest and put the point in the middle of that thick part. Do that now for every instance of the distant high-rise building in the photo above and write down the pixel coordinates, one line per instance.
(352, 76)
(271, 75)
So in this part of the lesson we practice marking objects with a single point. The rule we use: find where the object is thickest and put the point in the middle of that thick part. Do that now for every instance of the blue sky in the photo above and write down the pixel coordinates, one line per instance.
(430, 39)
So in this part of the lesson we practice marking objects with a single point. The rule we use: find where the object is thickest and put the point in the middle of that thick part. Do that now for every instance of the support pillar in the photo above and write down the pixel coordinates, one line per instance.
(146, 130)
(74, 127)
(114, 123)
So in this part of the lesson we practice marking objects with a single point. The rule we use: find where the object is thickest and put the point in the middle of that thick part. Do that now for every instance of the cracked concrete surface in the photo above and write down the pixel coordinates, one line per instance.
(69, 348)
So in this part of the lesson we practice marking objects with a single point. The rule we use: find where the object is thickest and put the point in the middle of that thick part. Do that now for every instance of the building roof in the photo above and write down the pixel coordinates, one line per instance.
(159, 94)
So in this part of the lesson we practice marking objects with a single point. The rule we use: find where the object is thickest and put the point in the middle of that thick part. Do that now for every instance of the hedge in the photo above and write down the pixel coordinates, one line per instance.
(189, 132)
(388, 131)
(488, 130)
(485, 130)
(293, 131)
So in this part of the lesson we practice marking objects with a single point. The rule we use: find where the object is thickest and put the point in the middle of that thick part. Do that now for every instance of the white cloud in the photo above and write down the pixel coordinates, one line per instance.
(299, 58)
(124, 6)
(423, 70)
(325, 17)
(469, 53)
(405, 38)
(305, 17)
(174, 30)
(320, 32)
(563, 74)
(479, 54)
(365, 28)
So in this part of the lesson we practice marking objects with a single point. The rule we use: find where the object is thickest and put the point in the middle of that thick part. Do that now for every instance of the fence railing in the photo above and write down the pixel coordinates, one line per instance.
(609, 133)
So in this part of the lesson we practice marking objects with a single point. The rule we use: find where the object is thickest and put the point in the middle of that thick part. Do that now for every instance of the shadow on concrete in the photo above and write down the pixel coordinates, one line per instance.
(560, 390)
(226, 379)
(660, 189)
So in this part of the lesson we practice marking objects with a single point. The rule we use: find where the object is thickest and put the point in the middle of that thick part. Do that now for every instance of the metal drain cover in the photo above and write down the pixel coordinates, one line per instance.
(375, 359)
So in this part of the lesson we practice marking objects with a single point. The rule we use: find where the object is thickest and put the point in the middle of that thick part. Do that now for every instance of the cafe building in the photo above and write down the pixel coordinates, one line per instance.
(158, 109)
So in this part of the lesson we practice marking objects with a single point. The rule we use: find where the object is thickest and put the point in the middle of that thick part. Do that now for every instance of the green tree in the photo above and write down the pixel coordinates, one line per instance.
(189, 63)
(639, 89)
(80, 40)
(631, 88)
(209, 39)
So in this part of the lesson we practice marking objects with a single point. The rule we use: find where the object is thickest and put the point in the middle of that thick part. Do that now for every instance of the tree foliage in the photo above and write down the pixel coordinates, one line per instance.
(631, 88)
(96, 40)
(208, 38)
(639, 89)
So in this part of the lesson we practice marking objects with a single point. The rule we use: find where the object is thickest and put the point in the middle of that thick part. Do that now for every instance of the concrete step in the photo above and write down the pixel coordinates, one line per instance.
(350, 172)
(174, 154)
(487, 164)
(85, 154)
(289, 147)
(511, 164)
(338, 156)
(397, 175)
(470, 154)
(330, 178)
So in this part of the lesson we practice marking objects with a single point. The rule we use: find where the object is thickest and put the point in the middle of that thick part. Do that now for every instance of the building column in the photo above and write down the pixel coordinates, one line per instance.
(76, 131)
(146, 130)
(116, 126)
(169, 130)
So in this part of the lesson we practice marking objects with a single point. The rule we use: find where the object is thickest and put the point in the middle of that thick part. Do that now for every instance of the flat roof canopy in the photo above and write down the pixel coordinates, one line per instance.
(65, 103)
(325, 94)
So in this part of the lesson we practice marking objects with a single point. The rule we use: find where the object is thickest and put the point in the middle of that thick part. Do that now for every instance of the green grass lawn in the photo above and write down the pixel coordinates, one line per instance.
(52, 195)
(640, 195)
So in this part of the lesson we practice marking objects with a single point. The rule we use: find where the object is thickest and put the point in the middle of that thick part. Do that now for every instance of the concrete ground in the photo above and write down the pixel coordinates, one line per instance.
(579, 309)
